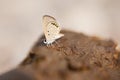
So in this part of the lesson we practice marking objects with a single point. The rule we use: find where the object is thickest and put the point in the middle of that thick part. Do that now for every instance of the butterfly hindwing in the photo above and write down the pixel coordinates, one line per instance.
(52, 30)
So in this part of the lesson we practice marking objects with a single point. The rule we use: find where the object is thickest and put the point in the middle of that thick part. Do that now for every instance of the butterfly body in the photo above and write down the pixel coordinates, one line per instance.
(51, 29)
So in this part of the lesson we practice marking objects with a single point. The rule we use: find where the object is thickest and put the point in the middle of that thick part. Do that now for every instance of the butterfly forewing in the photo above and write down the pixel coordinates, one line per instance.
(47, 19)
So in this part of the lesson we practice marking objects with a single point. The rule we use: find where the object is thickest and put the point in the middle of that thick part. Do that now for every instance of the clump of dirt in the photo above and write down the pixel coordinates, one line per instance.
(73, 57)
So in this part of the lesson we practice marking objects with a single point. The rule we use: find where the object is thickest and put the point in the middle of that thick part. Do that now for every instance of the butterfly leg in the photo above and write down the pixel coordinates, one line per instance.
(56, 42)
(49, 45)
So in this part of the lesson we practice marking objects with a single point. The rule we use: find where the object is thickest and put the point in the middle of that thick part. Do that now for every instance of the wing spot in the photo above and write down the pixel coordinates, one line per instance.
(48, 34)
(55, 24)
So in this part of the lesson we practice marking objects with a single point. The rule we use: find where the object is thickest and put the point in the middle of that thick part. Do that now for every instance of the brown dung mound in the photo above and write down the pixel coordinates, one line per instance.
(73, 57)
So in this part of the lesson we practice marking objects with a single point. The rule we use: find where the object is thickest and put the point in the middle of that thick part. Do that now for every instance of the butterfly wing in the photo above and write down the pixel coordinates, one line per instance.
(47, 19)
(51, 29)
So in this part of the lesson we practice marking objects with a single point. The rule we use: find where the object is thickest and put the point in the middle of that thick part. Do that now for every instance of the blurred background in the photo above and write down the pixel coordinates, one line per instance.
(21, 23)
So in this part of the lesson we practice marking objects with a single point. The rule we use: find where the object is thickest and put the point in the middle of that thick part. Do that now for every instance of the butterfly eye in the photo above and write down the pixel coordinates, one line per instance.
(45, 40)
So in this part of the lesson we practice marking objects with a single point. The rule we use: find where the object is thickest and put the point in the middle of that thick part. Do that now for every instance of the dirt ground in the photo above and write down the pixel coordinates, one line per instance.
(72, 57)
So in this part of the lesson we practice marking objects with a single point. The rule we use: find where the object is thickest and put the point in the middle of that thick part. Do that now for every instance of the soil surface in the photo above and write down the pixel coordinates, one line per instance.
(75, 56)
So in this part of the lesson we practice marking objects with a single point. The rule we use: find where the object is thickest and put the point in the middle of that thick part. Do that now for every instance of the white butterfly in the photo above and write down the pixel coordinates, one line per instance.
(51, 29)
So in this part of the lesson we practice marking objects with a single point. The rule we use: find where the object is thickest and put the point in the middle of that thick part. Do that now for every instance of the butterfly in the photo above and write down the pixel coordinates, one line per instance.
(51, 29)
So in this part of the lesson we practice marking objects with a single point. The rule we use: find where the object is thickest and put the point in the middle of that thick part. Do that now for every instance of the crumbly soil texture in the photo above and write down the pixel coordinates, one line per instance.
(75, 56)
